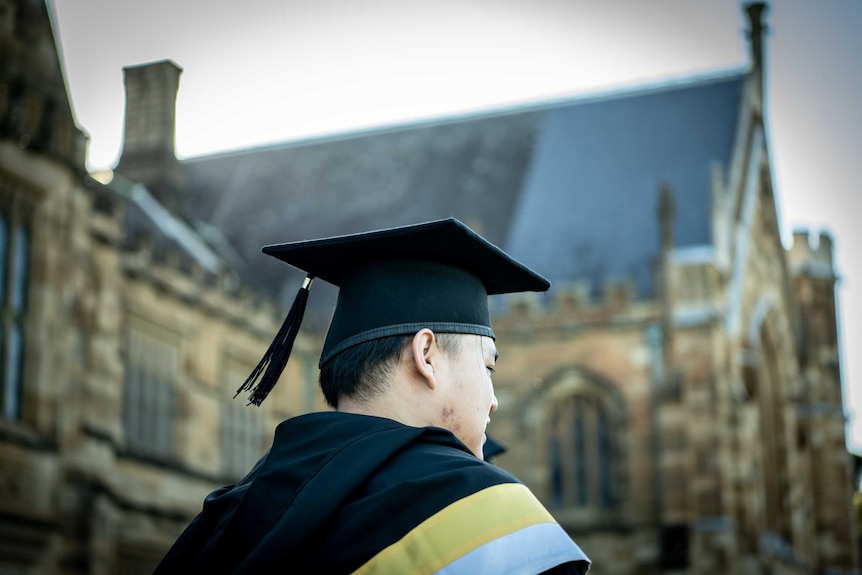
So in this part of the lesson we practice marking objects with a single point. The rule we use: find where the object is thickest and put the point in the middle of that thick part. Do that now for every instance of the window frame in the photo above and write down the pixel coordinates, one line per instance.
(16, 212)
(602, 507)
(241, 427)
(151, 358)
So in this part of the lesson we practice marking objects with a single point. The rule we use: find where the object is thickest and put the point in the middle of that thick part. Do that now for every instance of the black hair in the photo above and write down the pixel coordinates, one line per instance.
(360, 371)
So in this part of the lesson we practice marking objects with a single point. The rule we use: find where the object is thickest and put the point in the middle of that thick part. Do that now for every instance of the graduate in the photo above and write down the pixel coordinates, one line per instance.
(393, 480)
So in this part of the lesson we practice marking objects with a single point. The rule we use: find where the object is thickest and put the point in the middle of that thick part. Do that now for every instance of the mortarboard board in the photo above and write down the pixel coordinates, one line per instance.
(395, 281)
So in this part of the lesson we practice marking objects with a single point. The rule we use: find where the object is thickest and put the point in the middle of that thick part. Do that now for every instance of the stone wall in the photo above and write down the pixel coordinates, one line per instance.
(74, 491)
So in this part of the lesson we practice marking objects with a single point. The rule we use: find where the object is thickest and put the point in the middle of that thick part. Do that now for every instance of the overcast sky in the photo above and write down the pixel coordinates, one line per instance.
(264, 71)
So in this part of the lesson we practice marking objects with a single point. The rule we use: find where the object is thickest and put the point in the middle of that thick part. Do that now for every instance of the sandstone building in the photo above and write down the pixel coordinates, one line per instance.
(675, 400)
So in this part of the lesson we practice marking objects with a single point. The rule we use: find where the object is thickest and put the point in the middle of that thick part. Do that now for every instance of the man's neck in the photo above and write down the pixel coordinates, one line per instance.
(386, 405)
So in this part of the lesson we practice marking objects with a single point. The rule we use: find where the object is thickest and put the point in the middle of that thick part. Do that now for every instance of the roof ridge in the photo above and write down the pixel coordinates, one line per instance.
(618, 92)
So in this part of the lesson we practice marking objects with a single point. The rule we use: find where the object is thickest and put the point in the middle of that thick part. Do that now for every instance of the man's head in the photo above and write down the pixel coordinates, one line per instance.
(442, 380)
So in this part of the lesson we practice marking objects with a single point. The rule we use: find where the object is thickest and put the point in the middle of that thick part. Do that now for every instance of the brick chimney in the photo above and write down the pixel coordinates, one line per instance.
(148, 141)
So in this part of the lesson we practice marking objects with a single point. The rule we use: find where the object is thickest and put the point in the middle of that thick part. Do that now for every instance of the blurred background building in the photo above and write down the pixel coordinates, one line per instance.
(675, 400)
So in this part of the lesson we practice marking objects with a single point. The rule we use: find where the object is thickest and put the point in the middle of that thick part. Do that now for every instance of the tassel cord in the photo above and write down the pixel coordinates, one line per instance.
(265, 375)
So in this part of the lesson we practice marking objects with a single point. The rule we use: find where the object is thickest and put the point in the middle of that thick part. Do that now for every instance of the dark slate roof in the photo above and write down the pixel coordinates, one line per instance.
(570, 187)
(471, 169)
(588, 210)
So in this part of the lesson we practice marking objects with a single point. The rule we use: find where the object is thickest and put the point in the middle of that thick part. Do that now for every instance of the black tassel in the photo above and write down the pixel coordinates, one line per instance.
(273, 361)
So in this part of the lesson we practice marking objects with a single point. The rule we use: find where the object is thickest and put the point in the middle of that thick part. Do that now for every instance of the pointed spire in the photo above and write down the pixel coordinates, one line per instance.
(756, 32)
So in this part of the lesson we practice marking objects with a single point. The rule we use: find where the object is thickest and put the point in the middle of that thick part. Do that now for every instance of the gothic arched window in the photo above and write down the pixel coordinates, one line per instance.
(773, 433)
(15, 240)
(581, 454)
(581, 468)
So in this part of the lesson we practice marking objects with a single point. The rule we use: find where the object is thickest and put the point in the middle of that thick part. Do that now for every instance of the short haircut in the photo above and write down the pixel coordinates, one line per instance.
(361, 371)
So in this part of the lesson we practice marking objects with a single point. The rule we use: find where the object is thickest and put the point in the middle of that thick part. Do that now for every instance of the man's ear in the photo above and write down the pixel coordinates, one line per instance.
(424, 348)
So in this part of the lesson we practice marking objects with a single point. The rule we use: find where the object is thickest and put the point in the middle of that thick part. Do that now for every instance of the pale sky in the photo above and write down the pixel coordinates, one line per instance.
(264, 71)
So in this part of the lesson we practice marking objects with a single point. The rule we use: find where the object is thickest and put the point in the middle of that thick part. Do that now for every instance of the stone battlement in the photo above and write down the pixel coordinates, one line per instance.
(222, 293)
(572, 304)
(812, 253)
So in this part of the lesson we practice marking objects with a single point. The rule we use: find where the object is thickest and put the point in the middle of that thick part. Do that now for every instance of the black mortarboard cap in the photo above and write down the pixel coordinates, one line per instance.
(395, 282)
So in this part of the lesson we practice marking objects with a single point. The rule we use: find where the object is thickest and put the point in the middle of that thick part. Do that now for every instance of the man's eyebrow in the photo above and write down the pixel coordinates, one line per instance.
(489, 349)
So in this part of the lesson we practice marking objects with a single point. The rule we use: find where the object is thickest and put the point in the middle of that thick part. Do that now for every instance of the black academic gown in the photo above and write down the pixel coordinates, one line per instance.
(344, 493)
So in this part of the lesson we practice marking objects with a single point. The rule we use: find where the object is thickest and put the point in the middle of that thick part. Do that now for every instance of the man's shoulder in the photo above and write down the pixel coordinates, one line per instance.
(439, 447)
(384, 456)
(448, 509)
(437, 460)
(343, 433)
